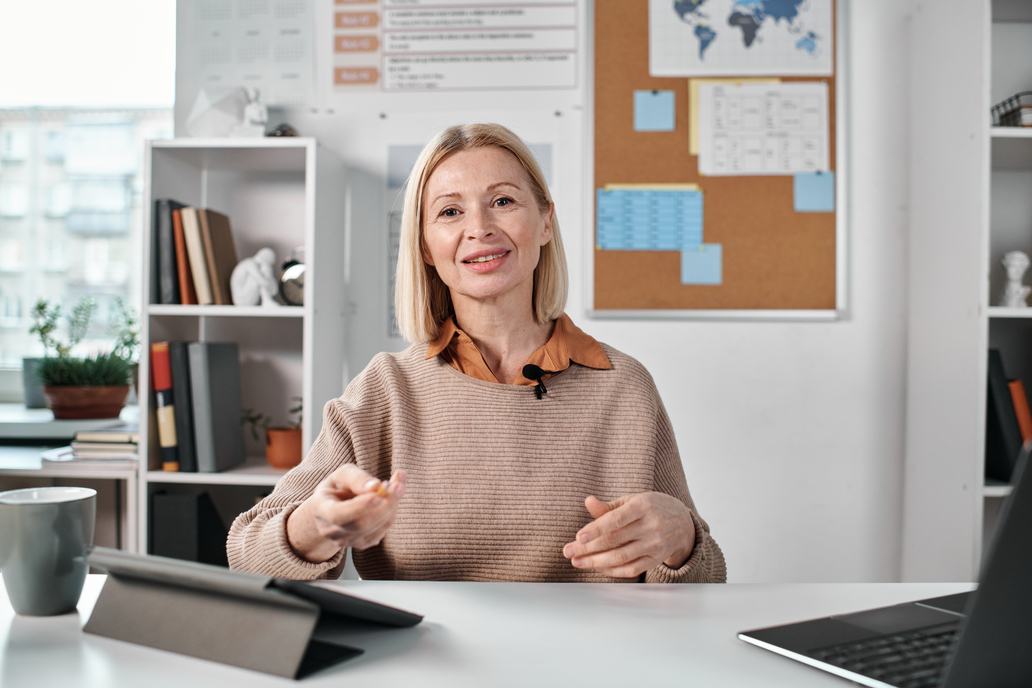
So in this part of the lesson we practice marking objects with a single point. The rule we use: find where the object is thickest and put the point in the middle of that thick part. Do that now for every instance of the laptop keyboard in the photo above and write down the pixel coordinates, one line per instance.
(906, 660)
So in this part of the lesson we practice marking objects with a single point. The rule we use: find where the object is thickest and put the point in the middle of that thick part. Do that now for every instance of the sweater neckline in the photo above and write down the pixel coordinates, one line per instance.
(484, 384)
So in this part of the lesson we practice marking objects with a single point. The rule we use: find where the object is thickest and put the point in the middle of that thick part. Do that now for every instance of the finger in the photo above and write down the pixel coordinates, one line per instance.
(631, 569)
(612, 558)
(627, 510)
(634, 531)
(596, 507)
(350, 479)
(397, 483)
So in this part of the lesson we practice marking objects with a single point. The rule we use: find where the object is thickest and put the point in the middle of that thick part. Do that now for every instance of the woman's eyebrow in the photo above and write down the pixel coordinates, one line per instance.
(492, 187)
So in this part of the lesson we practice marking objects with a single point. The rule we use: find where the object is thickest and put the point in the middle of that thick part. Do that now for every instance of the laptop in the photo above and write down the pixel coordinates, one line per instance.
(979, 638)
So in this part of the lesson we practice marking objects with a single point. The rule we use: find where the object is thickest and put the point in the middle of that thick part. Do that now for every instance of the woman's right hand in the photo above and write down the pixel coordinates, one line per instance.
(350, 508)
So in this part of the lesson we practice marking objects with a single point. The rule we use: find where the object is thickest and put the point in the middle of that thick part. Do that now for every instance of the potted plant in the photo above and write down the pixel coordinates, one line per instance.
(93, 386)
(282, 443)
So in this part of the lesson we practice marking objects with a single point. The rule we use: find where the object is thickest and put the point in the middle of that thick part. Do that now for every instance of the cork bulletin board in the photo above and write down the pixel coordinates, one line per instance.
(776, 262)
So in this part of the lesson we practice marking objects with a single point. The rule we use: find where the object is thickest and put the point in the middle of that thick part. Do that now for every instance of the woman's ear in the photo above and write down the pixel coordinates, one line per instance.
(546, 234)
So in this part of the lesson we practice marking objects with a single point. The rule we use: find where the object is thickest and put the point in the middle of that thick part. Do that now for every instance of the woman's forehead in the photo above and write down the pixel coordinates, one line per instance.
(477, 167)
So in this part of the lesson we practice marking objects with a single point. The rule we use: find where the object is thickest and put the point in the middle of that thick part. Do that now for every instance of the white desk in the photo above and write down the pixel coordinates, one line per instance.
(490, 634)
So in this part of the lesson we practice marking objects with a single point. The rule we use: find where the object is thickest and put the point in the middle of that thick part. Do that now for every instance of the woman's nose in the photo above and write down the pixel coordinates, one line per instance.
(480, 225)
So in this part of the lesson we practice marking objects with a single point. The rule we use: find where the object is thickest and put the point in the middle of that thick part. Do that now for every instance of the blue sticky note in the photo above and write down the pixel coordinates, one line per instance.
(702, 264)
(815, 192)
(653, 110)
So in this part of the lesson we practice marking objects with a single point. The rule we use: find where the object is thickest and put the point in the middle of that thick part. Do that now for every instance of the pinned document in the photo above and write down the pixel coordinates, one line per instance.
(654, 111)
(703, 264)
(763, 129)
(814, 192)
(649, 217)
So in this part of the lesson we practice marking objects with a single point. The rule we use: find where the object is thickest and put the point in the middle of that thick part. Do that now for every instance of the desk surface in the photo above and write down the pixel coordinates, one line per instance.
(490, 634)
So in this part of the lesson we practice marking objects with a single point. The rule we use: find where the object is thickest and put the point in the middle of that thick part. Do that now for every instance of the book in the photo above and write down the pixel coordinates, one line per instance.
(161, 375)
(187, 294)
(195, 255)
(1002, 432)
(168, 276)
(179, 361)
(217, 407)
(1021, 410)
(219, 253)
(116, 432)
(66, 457)
(121, 447)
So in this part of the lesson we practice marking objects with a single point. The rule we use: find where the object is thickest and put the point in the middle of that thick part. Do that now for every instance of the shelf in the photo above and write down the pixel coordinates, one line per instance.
(254, 472)
(1011, 132)
(995, 488)
(228, 311)
(1000, 312)
(1011, 148)
(18, 422)
(25, 461)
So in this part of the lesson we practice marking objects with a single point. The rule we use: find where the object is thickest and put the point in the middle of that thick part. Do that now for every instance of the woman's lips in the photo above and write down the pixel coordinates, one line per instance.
(485, 261)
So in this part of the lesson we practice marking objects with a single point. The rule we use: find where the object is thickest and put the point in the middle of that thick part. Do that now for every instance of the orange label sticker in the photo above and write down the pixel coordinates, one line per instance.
(355, 44)
(355, 75)
(356, 20)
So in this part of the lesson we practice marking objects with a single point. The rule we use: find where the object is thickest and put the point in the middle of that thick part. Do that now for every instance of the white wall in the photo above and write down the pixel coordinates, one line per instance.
(791, 434)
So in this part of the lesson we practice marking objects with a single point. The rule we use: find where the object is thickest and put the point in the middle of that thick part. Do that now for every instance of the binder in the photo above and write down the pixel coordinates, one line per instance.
(232, 617)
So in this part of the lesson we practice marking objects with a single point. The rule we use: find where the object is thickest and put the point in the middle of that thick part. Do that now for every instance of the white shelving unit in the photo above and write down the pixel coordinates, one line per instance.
(971, 193)
(278, 192)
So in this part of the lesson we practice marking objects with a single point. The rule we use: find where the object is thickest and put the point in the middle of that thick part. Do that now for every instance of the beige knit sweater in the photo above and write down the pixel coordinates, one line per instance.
(496, 477)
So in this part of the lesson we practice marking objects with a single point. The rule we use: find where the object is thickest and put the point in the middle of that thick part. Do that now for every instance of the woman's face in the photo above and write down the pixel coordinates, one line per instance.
(482, 227)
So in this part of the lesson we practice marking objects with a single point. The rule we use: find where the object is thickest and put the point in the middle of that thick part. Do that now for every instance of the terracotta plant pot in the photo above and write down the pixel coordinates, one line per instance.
(86, 402)
(283, 447)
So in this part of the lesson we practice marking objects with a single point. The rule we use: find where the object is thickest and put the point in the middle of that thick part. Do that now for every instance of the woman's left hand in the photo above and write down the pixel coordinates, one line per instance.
(633, 534)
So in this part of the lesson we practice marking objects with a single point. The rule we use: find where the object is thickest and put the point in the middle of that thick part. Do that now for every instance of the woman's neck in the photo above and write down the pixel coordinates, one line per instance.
(506, 337)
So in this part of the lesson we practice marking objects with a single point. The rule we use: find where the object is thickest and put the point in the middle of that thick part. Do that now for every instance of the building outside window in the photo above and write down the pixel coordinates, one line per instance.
(71, 188)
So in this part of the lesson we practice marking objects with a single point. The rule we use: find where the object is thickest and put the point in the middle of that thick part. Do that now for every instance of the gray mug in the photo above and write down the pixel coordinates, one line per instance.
(45, 535)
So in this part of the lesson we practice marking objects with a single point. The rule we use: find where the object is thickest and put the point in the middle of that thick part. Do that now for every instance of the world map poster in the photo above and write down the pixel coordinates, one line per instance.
(740, 37)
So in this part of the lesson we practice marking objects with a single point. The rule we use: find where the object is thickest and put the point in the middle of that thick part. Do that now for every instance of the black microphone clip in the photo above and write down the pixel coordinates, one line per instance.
(532, 372)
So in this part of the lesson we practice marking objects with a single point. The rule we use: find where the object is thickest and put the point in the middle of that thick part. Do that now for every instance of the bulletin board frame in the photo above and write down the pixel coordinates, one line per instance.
(839, 308)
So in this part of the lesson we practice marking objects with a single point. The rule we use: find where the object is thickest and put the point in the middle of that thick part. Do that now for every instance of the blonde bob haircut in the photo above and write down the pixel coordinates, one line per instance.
(422, 301)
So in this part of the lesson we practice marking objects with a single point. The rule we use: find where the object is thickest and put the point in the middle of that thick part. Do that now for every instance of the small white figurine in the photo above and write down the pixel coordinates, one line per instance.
(1015, 293)
(256, 114)
(253, 281)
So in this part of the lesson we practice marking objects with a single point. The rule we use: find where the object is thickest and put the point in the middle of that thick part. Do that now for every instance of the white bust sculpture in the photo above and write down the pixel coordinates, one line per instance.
(1015, 293)
(253, 281)
(256, 114)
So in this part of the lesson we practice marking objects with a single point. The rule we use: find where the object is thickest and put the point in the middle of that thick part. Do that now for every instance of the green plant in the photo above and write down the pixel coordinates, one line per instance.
(126, 330)
(257, 419)
(299, 410)
(98, 370)
(101, 370)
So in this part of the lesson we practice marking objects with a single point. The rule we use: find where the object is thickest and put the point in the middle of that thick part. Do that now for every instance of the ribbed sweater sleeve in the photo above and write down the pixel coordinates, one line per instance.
(706, 562)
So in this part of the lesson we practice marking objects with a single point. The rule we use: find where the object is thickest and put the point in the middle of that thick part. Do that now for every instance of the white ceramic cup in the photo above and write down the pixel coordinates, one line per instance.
(45, 535)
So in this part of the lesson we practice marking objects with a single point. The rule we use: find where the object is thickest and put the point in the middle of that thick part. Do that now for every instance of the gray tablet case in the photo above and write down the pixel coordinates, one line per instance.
(242, 619)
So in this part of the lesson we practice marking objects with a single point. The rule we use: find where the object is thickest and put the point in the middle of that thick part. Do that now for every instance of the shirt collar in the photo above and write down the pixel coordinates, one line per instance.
(567, 344)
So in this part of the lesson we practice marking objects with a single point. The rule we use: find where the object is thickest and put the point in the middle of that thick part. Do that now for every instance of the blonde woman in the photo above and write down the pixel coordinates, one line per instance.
(505, 444)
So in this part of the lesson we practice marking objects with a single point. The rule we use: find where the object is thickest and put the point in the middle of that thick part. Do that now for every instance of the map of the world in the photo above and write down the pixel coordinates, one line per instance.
(740, 37)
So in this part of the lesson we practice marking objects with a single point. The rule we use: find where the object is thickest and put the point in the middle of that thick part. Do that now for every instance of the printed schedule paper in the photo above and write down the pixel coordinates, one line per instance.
(763, 129)
(462, 45)
(654, 217)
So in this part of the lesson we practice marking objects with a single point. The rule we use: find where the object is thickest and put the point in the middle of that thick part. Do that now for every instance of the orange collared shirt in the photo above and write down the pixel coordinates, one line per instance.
(567, 344)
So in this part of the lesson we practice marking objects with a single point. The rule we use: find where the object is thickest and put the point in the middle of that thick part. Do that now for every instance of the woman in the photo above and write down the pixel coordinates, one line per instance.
(517, 447)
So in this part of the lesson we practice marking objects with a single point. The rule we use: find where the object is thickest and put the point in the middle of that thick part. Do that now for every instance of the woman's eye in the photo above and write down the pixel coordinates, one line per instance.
(503, 202)
(450, 212)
